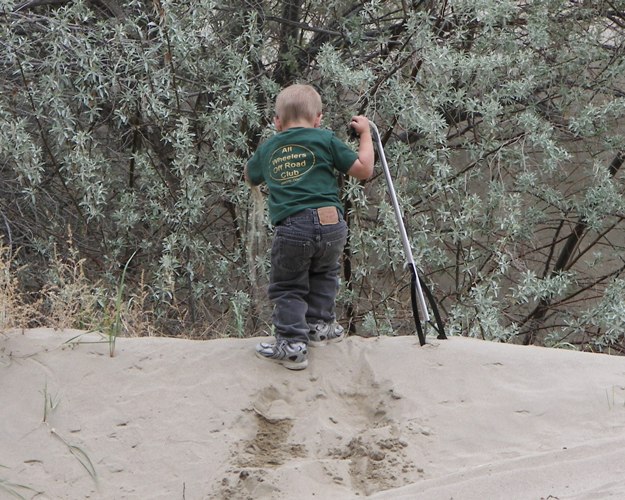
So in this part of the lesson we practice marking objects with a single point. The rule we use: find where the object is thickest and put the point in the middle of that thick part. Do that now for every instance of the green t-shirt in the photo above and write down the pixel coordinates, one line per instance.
(298, 166)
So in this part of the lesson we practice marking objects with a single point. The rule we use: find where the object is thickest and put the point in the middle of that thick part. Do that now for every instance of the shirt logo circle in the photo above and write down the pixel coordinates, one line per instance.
(289, 163)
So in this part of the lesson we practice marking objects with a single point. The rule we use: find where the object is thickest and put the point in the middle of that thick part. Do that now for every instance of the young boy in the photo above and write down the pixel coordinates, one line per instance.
(298, 164)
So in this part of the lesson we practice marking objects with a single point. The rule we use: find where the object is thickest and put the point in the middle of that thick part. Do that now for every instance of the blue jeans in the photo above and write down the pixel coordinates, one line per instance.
(304, 273)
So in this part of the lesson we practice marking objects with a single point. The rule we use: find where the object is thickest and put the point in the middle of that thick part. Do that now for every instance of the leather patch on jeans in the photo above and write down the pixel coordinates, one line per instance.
(328, 216)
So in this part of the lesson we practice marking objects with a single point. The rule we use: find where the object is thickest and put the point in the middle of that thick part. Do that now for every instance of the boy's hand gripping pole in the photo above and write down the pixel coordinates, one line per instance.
(418, 300)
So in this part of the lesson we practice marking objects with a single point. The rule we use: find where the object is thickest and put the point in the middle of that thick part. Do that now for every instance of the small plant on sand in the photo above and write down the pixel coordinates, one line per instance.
(12, 489)
(611, 397)
(50, 403)
(115, 328)
(79, 454)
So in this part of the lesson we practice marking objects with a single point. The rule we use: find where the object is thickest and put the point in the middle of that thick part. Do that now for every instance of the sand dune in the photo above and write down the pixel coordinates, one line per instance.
(383, 418)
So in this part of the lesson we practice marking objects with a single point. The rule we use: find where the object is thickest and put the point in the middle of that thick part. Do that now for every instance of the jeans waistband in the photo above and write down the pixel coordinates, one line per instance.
(307, 214)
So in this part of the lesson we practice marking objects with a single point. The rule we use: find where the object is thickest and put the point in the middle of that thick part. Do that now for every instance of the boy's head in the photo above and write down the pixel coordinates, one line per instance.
(298, 105)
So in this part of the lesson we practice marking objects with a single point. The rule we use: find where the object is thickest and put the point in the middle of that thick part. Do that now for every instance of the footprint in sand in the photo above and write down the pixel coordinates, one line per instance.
(270, 446)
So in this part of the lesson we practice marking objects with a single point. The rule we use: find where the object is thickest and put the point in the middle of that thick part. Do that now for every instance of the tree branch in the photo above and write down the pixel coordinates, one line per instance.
(38, 3)
(566, 254)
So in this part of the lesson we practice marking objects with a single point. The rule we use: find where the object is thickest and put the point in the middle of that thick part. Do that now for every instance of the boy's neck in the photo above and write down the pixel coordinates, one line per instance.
(298, 124)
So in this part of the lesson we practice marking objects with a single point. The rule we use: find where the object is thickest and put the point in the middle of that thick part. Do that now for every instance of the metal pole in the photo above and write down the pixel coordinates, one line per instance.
(400, 222)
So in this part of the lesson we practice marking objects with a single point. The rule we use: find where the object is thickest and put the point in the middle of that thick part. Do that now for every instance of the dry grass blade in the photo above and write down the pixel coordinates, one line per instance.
(80, 455)
(12, 488)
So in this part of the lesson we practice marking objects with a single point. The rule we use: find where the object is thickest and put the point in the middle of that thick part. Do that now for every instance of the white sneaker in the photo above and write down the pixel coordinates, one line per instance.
(291, 355)
(322, 333)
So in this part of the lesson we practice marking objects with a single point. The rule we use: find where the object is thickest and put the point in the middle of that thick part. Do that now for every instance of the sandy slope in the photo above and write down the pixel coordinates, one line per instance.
(385, 418)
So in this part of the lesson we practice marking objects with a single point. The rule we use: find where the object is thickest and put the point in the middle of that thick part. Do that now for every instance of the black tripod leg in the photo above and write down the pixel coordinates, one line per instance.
(437, 315)
(415, 305)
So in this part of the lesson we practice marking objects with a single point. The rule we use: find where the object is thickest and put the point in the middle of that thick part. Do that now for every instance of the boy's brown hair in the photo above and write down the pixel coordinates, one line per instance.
(298, 102)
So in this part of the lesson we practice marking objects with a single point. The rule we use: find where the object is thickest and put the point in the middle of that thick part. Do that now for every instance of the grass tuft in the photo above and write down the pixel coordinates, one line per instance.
(12, 488)
(80, 455)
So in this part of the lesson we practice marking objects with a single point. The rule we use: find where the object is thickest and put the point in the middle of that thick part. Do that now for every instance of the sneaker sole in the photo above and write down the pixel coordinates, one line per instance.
(289, 365)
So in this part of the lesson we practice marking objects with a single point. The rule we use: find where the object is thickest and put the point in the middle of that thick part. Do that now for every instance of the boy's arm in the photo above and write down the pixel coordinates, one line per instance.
(363, 166)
